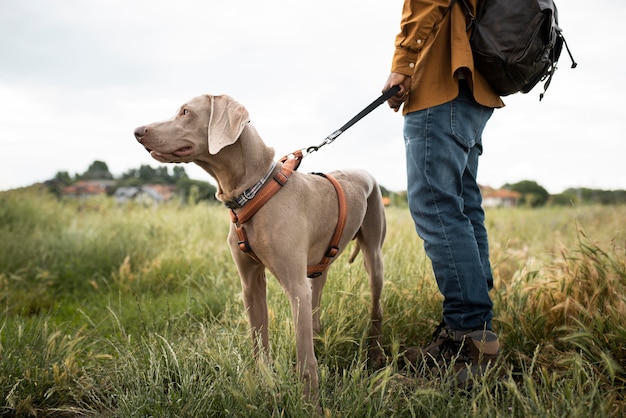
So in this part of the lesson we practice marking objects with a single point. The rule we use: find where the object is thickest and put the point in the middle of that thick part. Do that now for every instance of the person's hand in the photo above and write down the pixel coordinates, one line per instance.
(397, 79)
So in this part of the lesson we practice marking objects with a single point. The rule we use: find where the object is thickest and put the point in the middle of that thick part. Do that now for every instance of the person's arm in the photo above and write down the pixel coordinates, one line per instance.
(419, 19)
(402, 80)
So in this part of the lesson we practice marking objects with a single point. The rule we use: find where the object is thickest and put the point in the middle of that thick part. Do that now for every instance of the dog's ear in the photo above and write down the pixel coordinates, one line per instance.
(226, 122)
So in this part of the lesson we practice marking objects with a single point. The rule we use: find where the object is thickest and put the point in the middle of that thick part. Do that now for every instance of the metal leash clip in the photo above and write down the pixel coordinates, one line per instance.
(330, 138)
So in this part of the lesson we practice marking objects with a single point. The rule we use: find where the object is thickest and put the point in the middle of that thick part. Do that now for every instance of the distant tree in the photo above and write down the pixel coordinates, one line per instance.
(162, 175)
(193, 191)
(98, 170)
(399, 199)
(61, 180)
(606, 197)
(63, 177)
(619, 196)
(394, 198)
(603, 197)
(179, 173)
(130, 173)
(566, 198)
(592, 196)
(146, 174)
(533, 195)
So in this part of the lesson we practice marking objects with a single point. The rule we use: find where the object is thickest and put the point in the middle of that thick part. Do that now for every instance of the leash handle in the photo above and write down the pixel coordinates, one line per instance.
(383, 98)
(380, 100)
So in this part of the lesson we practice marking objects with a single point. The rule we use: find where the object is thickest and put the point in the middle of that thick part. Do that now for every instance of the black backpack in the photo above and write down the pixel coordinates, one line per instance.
(515, 43)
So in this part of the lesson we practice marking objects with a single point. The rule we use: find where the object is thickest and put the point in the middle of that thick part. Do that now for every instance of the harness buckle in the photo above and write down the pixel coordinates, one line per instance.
(281, 178)
(332, 251)
(244, 246)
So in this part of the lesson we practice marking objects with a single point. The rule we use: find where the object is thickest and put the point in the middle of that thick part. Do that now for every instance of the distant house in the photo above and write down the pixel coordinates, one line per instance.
(149, 194)
(87, 188)
(503, 198)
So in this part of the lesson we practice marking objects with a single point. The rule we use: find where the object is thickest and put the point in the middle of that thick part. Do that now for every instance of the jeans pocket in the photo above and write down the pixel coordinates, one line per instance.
(468, 120)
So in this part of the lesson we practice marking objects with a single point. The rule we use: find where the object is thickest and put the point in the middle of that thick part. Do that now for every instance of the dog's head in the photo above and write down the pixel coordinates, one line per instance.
(202, 126)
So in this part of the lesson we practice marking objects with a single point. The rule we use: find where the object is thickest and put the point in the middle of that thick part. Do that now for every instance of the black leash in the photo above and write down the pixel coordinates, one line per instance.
(330, 138)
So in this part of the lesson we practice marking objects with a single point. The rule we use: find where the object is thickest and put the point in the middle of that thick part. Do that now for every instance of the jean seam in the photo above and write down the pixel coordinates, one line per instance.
(433, 194)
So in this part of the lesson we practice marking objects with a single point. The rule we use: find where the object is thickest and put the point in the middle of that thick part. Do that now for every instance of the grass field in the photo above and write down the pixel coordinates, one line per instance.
(136, 311)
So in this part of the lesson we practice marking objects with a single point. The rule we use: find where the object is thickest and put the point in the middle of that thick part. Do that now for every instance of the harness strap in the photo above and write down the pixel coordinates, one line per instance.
(316, 270)
(269, 190)
(265, 194)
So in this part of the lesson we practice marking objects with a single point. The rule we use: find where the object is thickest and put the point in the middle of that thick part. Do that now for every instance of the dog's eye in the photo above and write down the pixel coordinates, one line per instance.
(185, 112)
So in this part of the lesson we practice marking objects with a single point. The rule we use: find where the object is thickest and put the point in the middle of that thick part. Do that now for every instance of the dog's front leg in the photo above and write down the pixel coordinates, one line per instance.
(301, 307)
(253, 286)
(317, 285)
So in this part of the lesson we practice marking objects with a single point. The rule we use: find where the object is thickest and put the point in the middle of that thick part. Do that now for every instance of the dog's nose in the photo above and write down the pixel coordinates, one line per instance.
(140, 132)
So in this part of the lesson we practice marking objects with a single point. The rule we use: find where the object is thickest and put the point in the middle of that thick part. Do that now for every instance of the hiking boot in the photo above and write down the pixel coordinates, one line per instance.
(466, 354)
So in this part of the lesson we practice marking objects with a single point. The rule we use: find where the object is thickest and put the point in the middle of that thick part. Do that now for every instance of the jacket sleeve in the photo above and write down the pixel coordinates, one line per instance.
(419, 20)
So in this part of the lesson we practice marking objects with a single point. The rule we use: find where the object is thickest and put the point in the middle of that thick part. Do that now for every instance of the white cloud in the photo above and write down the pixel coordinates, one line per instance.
(78, 76)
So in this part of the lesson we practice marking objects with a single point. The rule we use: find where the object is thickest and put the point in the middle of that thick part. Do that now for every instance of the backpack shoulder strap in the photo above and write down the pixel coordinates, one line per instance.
(471, 19)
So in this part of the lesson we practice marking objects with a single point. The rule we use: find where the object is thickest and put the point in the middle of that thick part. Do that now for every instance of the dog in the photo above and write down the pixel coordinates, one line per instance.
(288, 232)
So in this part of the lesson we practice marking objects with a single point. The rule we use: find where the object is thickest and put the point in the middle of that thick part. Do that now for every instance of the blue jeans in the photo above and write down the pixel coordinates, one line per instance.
(443, 144)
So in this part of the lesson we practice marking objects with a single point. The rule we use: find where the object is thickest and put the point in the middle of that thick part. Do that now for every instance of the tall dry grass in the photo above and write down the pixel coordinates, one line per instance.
(136, 311)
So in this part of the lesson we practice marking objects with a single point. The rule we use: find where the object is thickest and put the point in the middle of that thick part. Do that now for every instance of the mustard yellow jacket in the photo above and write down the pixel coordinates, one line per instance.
(432, 47)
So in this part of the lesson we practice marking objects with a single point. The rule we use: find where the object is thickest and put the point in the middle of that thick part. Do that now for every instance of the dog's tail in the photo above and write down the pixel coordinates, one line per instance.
(355, 251)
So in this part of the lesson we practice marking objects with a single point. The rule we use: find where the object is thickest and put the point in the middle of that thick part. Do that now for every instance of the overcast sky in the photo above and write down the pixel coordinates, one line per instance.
(77, 76)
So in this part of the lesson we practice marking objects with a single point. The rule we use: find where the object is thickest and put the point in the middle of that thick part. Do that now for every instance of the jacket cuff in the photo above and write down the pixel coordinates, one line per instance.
(403, 62)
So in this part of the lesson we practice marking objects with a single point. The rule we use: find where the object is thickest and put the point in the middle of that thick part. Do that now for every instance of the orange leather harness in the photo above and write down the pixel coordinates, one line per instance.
(270, 189)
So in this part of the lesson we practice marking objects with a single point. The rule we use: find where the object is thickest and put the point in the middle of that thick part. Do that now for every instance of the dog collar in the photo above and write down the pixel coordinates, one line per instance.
(249, 194)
